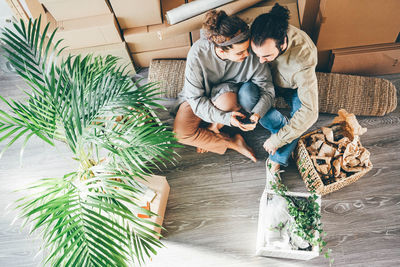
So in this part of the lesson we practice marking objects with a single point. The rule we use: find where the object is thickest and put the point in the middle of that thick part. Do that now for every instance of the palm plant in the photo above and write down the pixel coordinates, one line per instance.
(89, 216)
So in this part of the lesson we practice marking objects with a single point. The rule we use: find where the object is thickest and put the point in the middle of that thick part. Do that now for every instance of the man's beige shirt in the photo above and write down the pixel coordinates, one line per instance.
(295, 69)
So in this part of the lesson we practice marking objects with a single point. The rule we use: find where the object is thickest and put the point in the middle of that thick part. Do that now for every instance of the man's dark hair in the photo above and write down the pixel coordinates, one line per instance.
(272, 25)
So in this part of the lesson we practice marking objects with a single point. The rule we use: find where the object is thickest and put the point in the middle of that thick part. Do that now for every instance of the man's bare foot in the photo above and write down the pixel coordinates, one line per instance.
(240, 146)
(274, 167)
(201, 150)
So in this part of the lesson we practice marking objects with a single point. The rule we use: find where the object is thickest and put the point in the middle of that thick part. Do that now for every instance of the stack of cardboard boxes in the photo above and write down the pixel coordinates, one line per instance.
(123, 28)
(141, 33)
(127, 28)
(354, 36)
(85, 26)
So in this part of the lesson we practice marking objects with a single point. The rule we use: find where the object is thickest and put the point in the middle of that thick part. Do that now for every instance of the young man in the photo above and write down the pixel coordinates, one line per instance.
(221, 75)
(292, 57)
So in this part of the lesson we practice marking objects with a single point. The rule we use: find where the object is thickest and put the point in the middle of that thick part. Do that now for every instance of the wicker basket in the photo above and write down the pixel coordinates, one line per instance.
(310, 175)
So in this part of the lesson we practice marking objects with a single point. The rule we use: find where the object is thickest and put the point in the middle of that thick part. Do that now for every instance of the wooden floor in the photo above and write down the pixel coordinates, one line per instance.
(212, 211)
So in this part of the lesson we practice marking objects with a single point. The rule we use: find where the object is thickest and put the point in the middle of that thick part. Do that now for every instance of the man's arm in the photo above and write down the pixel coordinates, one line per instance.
(307, 115)
(263, 79)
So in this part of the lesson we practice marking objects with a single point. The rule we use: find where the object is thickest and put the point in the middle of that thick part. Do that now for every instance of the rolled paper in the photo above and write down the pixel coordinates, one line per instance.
(192, 9)
(196, 22)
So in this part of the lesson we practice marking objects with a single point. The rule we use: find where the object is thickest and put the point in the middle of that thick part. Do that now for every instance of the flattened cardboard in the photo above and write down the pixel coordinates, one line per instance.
(74, 9)
(88, 32)
(348, 23)
(136, 13)
(371, 60)
(143, 59)
(161, 187)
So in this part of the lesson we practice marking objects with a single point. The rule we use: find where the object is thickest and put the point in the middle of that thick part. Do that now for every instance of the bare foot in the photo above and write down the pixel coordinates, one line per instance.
(275, 167)
(240, 146)
(201, 150)
(214, 127)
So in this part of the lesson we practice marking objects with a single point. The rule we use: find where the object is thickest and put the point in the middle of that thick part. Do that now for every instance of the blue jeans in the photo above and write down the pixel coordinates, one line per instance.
(273, 120)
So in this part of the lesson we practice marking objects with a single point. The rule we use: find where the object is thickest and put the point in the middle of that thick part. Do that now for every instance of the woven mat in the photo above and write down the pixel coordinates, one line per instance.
(367, 96)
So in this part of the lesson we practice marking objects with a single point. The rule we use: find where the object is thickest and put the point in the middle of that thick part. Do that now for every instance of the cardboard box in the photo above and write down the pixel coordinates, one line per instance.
(88, 32)
(195, 35)
(249, 14)
(119, 50)
(264, 250)
(36, 10)
(74, 9)
(136, 13)
(167, 5)
(143, 59)
(143, 39)
(308, 10)
(324, 61)
(368, 60)
(158, 205)
(348, 23)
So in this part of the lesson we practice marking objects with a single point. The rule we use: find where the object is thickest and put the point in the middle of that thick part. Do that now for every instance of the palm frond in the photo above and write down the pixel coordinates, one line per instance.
(93, 219)
(88, 217)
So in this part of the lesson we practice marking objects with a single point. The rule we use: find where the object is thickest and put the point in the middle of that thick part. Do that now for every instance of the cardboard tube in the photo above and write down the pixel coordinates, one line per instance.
(196, 22)
(194, 8)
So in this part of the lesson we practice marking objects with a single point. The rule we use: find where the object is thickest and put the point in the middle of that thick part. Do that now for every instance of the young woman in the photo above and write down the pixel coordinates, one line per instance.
(221, 77)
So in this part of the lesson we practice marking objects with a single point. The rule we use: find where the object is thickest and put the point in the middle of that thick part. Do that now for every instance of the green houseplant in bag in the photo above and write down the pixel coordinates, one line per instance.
(91, 106)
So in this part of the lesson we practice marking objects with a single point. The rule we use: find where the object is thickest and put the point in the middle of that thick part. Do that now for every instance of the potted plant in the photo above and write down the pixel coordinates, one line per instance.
(90, 105)
(289, 224)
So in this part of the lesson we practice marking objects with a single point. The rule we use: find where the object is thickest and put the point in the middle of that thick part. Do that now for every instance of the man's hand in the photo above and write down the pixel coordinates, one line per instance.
(271, 149)
(255, 118)
(244, 127)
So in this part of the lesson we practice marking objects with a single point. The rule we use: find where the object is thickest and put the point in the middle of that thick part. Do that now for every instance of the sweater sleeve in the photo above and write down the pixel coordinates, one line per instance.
(195, 95)
(263, 79)
(307, 115)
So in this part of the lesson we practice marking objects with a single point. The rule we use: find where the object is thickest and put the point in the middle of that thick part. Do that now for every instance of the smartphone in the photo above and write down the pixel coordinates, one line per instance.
(245, 120)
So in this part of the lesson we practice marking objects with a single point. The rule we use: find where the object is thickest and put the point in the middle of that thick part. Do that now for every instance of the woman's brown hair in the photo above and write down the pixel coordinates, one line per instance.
(220, 28)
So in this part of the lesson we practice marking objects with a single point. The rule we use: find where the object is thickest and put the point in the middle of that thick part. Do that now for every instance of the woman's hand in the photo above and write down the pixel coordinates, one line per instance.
(244, 127)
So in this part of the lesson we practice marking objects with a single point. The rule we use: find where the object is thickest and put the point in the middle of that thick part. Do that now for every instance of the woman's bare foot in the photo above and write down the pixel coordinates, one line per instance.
(240, 146)
(214, 127)
(201, 150)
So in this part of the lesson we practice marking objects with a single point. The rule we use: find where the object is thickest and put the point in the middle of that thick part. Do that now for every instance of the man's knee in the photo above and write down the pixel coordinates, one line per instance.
(273, 120)
(248, 95)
